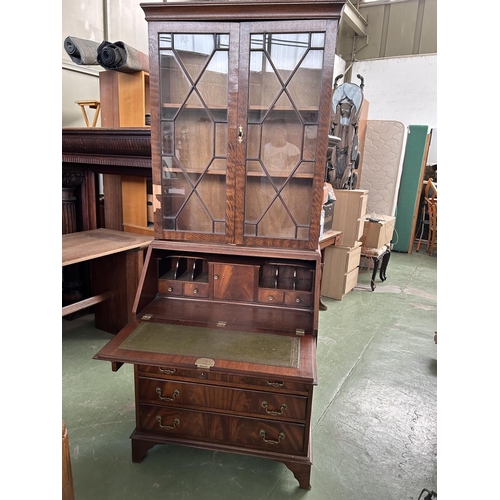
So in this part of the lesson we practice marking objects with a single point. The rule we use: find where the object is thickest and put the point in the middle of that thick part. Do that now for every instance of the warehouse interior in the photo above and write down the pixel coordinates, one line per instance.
(375, 425)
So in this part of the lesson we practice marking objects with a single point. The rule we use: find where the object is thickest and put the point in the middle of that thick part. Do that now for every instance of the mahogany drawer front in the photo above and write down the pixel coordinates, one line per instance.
(298, 298)
(206, 376)
(177, 393)
(170, 287)
(269, 435)
(194, 289)
(271, 296)
(186, 288)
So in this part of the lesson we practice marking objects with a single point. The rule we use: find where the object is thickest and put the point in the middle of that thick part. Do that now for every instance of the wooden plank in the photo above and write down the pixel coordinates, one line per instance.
(83, 304)
(134, 201)
(86, 245)
(419, 193)
(410, 183)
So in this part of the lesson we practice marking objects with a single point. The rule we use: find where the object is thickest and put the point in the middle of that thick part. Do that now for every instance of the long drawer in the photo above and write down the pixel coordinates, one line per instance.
(270, 435)
(206, 376)
(210, 397)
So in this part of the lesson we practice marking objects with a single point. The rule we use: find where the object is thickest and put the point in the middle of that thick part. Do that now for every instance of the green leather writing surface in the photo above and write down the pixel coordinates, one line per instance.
(215, 343)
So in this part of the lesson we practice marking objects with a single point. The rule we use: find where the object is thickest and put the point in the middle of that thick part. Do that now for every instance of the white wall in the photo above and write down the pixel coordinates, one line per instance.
(401, 88)
(117, 20)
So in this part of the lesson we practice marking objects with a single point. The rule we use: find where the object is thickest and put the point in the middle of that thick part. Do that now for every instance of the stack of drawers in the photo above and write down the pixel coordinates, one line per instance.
(341, 262)
(239, 411)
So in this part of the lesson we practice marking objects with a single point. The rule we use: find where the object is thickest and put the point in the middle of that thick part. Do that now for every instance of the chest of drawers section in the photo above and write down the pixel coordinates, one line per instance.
(231, 411)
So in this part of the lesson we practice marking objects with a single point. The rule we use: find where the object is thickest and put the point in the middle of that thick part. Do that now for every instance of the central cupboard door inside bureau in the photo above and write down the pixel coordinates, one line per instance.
(241, 110)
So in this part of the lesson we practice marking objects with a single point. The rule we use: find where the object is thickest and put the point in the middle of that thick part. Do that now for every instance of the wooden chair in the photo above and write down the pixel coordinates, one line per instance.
(430, 196)
(431, 200)
(432, 227)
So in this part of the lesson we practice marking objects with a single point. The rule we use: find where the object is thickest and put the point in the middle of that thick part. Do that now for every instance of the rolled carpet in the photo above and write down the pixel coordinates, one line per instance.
(121, 57)
(81, 51)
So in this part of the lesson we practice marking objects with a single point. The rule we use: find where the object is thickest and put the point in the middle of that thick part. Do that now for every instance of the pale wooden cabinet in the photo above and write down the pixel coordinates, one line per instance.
(226, 316)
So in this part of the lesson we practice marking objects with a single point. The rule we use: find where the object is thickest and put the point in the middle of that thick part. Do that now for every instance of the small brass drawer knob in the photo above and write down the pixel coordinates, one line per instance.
(297, 300)
(195, 291)
(271, 297)
(169, 289)
(216, 277)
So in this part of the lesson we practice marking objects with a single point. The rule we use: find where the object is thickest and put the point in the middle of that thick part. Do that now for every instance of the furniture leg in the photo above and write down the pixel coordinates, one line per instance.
(385, 262)
(140, 449)
(374, 274)
(118, 273)
(302, 473)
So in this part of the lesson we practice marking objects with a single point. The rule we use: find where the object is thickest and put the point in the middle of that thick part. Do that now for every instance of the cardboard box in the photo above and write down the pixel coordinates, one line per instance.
(378, 234)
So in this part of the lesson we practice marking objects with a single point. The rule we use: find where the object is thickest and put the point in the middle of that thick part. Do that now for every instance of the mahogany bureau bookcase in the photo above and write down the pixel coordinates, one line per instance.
(225, 319)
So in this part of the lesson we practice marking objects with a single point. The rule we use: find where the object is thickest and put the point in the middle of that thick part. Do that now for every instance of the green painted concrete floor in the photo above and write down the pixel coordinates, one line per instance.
(374, 409)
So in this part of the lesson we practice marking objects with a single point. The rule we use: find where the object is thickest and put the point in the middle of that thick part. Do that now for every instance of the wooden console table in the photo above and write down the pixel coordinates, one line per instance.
(116, 263)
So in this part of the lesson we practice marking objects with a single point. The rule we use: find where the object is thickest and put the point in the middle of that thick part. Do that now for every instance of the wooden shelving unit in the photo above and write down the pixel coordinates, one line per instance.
(125, 103)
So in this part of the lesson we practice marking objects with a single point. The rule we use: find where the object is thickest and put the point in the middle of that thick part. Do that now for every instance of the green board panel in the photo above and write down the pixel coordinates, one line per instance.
(409, 186)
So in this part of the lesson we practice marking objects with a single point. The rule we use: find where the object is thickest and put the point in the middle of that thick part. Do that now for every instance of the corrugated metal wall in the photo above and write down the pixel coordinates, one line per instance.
(394, 29)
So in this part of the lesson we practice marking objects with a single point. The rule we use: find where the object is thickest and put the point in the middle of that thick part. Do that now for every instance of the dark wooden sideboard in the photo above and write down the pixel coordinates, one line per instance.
(87, 152)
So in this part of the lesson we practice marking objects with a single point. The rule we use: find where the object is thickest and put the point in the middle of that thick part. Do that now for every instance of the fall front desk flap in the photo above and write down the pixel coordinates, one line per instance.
(159, 343)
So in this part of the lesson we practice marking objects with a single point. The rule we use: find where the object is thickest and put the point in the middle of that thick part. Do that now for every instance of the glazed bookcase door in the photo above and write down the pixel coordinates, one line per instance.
(288, 75)
(194, 118)
(243, 116)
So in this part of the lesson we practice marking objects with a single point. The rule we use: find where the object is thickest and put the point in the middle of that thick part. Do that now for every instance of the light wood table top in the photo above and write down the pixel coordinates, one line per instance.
(86, 245)
(331, 237)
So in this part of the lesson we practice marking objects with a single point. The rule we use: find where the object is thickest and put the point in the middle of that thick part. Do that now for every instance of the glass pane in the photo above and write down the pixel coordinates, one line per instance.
(265, 87)
(318, 40)
(308, 75)
(194, 52)
(310, 139)
(213, 83)
(167, 134)
(282, 131)
(221, 139)
(194, 93)
(281, 145)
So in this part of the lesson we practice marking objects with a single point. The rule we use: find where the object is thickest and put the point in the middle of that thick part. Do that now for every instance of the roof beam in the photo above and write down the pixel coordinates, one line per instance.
(352, 17)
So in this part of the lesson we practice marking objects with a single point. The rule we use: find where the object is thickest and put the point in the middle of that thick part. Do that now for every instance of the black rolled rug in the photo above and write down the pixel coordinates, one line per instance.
(119, 56)
(81, 51)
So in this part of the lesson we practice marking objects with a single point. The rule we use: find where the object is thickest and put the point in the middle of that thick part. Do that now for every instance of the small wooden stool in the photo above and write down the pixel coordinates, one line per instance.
(377, 255)
(92, 105)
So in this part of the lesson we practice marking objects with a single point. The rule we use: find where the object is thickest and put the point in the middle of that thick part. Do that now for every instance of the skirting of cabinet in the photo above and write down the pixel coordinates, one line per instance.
(300, 466)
